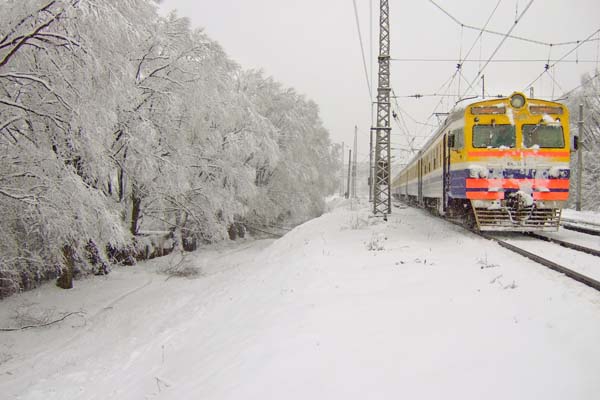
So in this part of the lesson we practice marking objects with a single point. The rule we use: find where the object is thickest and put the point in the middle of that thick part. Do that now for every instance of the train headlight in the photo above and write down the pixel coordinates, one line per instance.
(517, 100)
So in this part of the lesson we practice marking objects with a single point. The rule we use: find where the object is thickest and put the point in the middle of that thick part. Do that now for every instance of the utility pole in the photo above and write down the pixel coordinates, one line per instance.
(342, 172)
(579, 157)
(354, 161)
(371, 166)
(349, 168)
(382, 201)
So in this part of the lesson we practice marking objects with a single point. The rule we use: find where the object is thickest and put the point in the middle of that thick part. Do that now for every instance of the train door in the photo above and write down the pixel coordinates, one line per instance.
(448, 139)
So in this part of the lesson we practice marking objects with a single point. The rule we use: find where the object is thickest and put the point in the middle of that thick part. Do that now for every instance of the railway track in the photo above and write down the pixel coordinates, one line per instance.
(589, 228)
(579, 228)
(579, 276)
(567, 271)
(563, 243)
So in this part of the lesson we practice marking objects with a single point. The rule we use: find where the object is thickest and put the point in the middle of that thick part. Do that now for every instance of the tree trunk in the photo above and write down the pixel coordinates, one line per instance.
(65, 280)
(136, 203)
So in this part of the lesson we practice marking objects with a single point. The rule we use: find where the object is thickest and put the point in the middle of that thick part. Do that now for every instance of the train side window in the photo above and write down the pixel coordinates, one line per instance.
(456, 140)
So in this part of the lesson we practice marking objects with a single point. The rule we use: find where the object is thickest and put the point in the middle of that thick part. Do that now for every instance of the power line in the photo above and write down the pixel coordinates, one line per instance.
(514, 60)
(443, 94)
(449, 84)
(362, 50)
(534, 41)
(451, 80)
(481, 31)
(555, 82)
(597, 50)
(459, 66)
(418, 95)
(547, 66)
(499, 44)
(413, 119)
(567, 94)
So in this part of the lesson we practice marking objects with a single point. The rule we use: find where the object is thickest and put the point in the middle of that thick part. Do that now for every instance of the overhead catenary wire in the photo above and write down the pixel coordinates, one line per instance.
(480, 32)
(419, 95)
(448, 84)
(451, 80)
(502, 60)
(491, 32)
(546, 67)
(514, 25)
(597, 50)
(362, 50)
(578, 44)
(555, 83)
(413, 119)
(567, 94)
(551, 61)
(401, 122)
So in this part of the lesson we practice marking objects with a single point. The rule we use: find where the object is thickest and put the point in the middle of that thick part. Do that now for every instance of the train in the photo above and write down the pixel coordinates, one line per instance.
(500, 164)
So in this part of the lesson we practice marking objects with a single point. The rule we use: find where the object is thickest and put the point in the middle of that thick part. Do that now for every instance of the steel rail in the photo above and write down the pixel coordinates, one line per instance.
(568, 245)
(586, 280)
(582, 229)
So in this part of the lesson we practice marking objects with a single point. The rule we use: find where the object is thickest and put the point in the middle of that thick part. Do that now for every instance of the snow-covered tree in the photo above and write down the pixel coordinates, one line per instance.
(292, 189)
(115, 122)
(589, 96)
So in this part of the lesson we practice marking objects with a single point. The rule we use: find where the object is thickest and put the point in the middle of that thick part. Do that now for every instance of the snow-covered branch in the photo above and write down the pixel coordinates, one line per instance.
(57, 120)
(17, 43)
(116, 120)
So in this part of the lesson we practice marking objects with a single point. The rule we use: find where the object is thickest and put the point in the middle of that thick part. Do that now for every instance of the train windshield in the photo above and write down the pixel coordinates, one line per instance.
(494, 136)
(546, 136)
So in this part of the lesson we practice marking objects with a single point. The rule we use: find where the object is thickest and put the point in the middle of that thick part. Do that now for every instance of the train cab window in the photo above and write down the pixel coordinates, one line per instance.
(494, 136)
(458, 139)
(545, 136)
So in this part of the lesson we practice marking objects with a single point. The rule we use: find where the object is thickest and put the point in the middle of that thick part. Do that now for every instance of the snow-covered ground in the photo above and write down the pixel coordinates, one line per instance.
(583, 217)
(342, 307)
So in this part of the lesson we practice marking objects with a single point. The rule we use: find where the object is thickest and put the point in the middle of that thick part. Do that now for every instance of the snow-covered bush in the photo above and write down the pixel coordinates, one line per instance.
(377, 242)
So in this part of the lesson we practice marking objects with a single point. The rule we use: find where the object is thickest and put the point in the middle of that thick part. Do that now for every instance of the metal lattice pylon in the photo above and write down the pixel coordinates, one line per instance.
(382, 201)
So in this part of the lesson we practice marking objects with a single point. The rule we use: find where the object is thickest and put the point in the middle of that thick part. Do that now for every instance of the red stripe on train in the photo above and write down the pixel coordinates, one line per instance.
(485, 195)
(516, 183)
(562, 196)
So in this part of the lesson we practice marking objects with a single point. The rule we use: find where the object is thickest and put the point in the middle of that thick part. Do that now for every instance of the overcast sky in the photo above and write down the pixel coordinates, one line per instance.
(313, 46)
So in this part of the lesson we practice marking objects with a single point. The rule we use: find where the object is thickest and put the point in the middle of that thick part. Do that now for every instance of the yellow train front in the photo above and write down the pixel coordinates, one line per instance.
(502, 164)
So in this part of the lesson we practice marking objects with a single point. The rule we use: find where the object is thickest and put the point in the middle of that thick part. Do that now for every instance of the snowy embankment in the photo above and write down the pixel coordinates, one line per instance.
(342, 307)
(582, 217)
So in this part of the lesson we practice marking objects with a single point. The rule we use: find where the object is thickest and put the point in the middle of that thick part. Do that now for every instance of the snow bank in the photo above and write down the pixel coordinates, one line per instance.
(343, 307)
